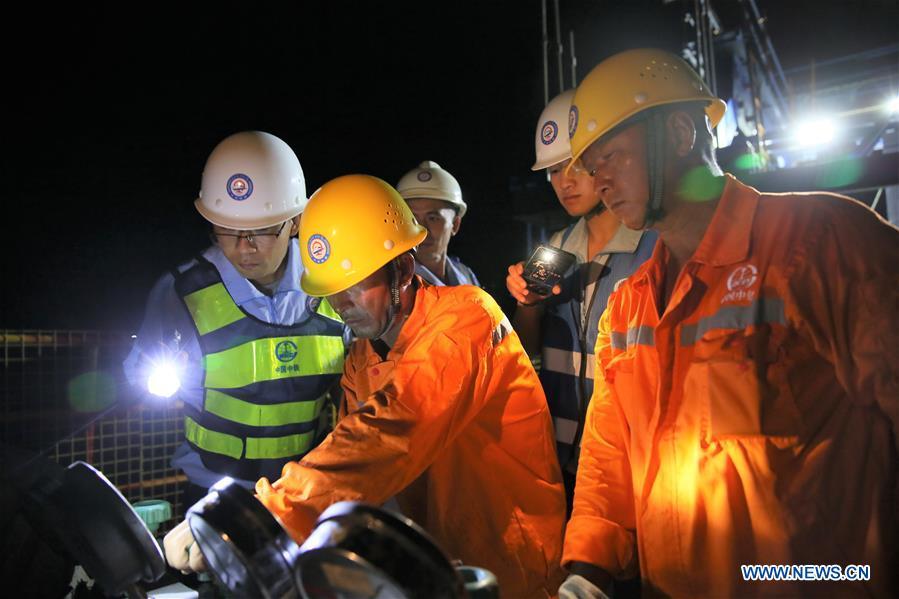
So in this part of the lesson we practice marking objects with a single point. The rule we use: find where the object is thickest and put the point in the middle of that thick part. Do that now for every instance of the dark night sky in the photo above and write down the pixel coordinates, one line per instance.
(112, 116)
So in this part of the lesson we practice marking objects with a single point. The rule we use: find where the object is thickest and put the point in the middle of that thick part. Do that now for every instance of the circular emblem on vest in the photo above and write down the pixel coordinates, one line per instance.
(286, 351)
(549, 132)
(319, 248)
(239, 187)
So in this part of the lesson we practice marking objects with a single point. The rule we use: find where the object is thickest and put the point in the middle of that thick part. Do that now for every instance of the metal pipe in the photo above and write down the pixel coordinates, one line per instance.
(559, 47)
(700, 46)
(858, 56)
(763, 55)
(153, 482)
(877, 199)
(545, 54)
(759, 21)
(710, 45)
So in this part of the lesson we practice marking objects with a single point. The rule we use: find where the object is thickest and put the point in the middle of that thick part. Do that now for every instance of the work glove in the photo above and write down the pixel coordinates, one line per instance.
(578, 587)
(181, 551)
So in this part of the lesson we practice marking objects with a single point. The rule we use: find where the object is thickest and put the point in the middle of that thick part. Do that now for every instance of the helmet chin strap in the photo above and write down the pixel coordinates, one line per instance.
(393, 309)
(655, 166)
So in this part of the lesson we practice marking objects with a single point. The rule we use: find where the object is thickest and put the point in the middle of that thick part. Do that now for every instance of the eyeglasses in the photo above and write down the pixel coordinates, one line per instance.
(576, 169)
(260, 237)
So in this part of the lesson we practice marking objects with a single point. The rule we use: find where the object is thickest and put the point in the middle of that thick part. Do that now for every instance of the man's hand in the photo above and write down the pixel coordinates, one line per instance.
(518, 287)
(181, 551)
(578, 587)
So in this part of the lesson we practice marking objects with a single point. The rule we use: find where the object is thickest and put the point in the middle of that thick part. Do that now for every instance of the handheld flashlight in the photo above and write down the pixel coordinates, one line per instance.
(165, 374)
(164, 380)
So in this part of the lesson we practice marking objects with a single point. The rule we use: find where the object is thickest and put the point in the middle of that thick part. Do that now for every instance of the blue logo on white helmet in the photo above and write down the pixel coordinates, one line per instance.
(239, 187)
(549, 132)
(319, 248)
(572, 120)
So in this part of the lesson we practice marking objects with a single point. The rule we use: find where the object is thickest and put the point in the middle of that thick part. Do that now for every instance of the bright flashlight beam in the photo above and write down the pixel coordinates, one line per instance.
(818, 132)
(164, 381)
(893, 105)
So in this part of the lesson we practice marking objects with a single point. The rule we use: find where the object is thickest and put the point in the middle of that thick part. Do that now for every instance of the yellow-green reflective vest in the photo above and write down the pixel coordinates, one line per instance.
(264, 384)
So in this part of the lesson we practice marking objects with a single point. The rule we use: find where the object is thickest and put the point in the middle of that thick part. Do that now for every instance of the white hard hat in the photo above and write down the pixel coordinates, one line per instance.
(429, 181)
(251, 180)
(552, 143)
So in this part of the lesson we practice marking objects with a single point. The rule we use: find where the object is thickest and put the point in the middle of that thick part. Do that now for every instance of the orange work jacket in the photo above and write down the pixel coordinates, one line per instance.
(755, 420)
(454, 423)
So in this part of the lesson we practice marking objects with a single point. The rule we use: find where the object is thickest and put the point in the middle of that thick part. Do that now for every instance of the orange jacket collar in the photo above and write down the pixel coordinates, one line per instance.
(726, 241)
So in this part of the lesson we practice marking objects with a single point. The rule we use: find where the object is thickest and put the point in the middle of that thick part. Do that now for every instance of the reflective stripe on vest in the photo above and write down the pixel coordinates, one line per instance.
(566, 429)
(251, 414)
(641, 335)
(768, 310)
(274, 358)
(212, 308)
(256, 447)
(325, 309)
(763, 310)
(566, 362)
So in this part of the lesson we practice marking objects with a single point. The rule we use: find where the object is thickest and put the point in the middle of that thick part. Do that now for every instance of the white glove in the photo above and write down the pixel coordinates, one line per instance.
(578, 587)
(181, 551)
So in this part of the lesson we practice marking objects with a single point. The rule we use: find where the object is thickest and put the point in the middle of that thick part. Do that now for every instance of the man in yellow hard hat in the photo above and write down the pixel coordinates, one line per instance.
(442, 408)
(746, 403)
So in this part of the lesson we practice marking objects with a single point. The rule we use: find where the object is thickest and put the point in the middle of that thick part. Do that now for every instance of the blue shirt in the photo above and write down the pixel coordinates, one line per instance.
(456, 274)
(168, 328)
(571, 320)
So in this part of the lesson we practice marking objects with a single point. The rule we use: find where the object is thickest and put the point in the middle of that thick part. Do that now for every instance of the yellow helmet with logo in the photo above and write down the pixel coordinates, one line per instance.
(628, 83)
(352, 226)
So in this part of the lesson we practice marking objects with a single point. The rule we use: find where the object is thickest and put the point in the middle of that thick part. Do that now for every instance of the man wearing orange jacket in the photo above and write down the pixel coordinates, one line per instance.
(747, 387)
(442, 407)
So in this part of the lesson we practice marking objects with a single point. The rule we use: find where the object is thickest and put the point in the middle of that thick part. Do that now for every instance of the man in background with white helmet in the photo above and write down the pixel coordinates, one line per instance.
(746, 404)
(435, 198)
(232, 335)
(562, 327)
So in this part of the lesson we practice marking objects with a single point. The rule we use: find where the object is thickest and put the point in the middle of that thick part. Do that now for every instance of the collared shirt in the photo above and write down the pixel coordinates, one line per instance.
(454, 423)
(456, 274)
(168, 328)
(755, 421)
(570, 321)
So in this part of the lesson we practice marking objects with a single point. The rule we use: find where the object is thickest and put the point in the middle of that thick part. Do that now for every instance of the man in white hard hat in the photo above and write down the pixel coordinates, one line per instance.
(562, 327)
(232, 334)
(436, 201)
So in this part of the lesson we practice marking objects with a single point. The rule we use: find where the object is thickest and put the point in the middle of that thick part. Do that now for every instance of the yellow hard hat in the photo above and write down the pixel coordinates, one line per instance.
(352, 226)
(628, 83)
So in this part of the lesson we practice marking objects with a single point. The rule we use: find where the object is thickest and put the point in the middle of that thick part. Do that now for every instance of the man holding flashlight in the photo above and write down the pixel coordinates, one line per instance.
(561, 327)
(248, 352)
